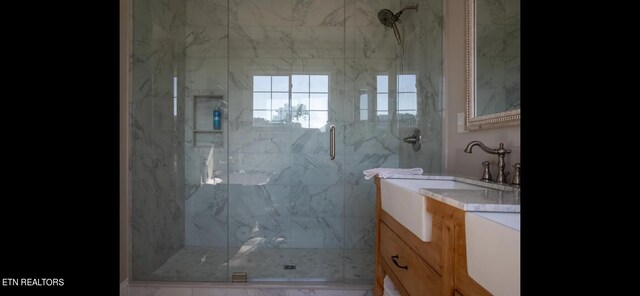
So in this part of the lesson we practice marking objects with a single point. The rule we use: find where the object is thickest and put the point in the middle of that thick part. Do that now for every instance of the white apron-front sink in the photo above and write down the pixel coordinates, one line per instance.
(402, 200)
(493, 251)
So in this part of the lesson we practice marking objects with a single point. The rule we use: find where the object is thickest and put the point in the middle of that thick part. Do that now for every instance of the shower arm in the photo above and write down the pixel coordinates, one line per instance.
(397, 15)
(396, 18)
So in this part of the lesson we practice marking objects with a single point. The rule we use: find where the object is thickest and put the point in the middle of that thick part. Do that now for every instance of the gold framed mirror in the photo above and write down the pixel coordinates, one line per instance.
(492, 61)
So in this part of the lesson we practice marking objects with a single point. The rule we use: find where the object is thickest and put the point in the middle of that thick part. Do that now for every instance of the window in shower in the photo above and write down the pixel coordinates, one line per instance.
(406, 93)
(382, 97)
(363, 107)
(270, 100)
(310, 100)
(407, 97)
(309, 105)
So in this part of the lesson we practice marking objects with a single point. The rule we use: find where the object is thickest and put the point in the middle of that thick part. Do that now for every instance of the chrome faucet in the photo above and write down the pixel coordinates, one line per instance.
(502, 175)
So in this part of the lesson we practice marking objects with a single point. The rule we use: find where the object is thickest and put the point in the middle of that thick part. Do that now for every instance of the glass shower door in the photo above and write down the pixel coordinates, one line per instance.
(286, 195)
(317, 195)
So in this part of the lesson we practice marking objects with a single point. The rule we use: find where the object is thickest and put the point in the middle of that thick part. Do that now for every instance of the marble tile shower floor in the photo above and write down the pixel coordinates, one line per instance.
(260, 264)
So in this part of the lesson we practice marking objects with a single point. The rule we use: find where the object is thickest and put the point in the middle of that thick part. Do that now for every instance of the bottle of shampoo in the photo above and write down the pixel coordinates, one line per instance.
(217, 117)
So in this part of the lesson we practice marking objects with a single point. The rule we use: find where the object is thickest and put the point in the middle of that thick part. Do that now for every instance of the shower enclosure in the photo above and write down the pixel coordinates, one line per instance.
(261, 195)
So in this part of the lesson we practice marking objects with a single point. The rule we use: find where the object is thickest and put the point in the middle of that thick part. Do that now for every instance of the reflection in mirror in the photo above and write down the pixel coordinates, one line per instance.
(493, 63)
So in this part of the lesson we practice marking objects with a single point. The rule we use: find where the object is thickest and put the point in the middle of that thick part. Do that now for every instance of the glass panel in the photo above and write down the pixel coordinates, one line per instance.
(263, 194)
(364, 107)
(300, 99)
(300, 83)
(261, 83)
(319, 102)
(280, 101)
(364, 114)
(319, 83)
(300, 116)
(383, 102)
(364, 101)
(178, 175)
(261, 117)
(261, 100)
(281, 83)
(318, 119)
(279, 116)
(407, 83)
(382, 83)
(407, 101)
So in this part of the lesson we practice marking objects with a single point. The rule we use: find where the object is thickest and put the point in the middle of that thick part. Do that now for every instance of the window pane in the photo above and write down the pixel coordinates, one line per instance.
(299, 110)
(383, 83)
(300, 99)
(383, 102)
(319, 102)
(402, 114)
(318, 119)
(279, 116)
(364, 101)
(301, 117)
(280, 100)
(407, 83)
(261, 116)
(280, 83)
(262, 83)
(300, 83)
(319, 83)
(407, 101)
(381, 116)
(261, 101)
(364, 114)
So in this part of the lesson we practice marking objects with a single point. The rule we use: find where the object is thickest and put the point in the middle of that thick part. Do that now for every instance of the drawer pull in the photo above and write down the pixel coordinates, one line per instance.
(395, 261)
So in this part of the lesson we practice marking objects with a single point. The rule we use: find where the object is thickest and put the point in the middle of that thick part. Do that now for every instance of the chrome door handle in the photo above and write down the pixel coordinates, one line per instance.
(332, 142)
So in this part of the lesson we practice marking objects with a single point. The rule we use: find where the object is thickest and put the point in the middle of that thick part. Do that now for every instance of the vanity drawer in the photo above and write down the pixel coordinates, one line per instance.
(418, 278)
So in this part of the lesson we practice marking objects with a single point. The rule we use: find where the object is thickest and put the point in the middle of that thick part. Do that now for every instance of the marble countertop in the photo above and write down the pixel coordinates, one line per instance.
(496, 198)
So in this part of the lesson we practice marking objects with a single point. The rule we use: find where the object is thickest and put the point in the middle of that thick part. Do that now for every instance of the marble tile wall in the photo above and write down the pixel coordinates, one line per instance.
(498, 56)
(157, 159)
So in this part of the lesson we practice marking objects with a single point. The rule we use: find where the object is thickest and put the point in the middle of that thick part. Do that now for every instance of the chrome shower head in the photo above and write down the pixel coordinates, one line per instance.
(386, 17)
(391, 20)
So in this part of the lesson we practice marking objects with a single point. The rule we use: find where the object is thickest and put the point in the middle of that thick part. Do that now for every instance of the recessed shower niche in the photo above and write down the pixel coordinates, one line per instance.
(206, 131)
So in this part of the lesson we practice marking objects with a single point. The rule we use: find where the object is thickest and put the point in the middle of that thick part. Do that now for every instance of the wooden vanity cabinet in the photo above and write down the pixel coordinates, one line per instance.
(438, 267)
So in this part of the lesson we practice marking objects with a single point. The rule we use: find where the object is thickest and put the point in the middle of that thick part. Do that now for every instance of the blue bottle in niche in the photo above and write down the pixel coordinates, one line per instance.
(217, 115)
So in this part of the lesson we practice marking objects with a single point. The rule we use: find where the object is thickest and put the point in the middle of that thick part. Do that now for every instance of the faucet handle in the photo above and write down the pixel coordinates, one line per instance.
(486, 176)
(516, 175)
(502, 151)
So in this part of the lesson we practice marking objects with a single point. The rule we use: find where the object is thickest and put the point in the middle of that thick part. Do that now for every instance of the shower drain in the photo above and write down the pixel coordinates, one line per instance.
(289, 266)
(239, 277)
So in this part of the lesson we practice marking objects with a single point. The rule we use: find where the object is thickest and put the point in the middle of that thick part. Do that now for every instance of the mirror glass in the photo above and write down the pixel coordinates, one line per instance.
(493, 63)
